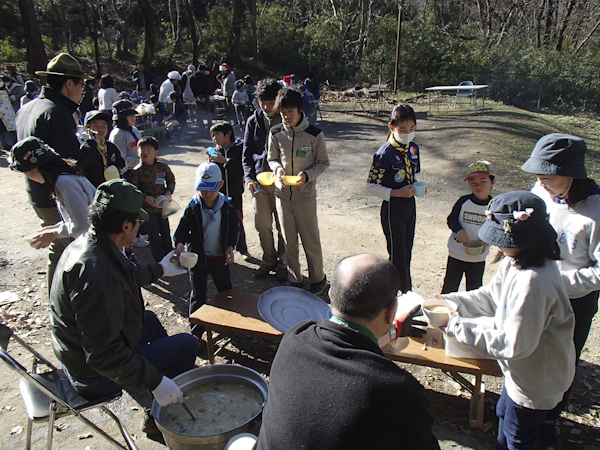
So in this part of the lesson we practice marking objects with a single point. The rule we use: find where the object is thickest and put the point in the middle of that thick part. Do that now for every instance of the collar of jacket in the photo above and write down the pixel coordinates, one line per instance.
(110, 247)
(303, 125)
(56, 97)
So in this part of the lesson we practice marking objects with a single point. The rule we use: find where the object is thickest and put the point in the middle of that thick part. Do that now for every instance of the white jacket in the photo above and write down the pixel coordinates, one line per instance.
(532, 336)
(578, 230)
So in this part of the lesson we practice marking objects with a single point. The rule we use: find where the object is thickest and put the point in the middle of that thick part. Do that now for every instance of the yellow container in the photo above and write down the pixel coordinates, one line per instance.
(265, 178)
(291, 180)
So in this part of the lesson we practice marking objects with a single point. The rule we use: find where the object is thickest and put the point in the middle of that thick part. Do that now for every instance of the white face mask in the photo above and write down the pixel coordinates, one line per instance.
(404, 138)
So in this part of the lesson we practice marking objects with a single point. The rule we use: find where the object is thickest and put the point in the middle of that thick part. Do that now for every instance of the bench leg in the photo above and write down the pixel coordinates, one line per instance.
(211, 345)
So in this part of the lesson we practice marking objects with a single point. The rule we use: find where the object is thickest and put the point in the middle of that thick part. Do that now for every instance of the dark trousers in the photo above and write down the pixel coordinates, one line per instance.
(50, 216)
(455, 268)
(171, 355)
(585, 308)
(159, 235)
(219, 271)
(398, 219)
(518, 427)
(241, 245)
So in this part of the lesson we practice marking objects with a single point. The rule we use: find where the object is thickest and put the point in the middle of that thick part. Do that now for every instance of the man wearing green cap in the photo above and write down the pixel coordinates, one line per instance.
(101, 333)
(50, 118)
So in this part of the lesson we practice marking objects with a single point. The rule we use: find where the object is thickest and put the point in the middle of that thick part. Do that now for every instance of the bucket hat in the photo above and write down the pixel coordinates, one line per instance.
(480, 169)
(123, 108)
(208, 177)
(122, 196)
(63, 64)
(30, 153)
(517, 220)
(558, 154)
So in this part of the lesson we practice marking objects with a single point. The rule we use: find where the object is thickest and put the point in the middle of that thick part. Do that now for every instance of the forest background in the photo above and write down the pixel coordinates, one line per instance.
(534, 54)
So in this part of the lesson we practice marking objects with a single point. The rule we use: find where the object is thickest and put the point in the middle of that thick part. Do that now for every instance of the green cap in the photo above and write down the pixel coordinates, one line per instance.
(122, 196)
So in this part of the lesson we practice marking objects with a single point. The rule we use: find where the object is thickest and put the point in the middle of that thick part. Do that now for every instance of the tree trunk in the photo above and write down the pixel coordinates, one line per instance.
(66, 30)
(587, 37)
(253, 18)
(94, 32)
(36, 54)
(193, 32)
(565, 23)
(99, 17)
(149, 40)
(235, 31)
(548, 24)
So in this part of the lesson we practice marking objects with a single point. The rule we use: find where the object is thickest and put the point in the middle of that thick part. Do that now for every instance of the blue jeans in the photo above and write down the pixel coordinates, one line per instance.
(518, 427)
(171, 355)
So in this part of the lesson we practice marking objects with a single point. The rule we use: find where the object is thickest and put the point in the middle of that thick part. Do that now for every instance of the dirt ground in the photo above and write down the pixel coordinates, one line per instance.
(349, 224)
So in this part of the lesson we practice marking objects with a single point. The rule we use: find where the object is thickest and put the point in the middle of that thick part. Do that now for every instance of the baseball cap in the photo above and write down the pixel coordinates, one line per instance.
(122, 196)
(480, 169)
(208, 177)
(30, 153)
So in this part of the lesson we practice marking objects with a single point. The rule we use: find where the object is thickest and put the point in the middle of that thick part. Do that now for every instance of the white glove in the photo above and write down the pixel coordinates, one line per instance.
(167, 392)
(171, 269)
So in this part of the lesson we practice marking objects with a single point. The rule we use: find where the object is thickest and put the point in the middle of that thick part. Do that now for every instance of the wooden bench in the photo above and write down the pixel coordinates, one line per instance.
(235, 312)
(158, 132)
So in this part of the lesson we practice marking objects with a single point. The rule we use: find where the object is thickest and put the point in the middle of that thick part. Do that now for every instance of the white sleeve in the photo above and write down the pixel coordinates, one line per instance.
(586, 279)
(73, 204)
(379, 191)
(524, 320)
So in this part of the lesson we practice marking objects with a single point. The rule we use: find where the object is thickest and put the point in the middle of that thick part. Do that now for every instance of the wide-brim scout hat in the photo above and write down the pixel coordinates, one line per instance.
(30, 153)
(122, 196)
(97, 115)
(63, 64)
(480, 169)
(558, 154)
(123, 108)
(208, 177)
(517, 220)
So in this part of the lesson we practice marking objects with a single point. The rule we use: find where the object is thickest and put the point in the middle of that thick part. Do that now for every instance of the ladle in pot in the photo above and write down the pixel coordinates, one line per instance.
(188, 410)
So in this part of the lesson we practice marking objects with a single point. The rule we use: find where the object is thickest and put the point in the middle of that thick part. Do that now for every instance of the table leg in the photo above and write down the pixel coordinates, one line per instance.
(429, 102)
(438, 101)
(477, 403)
(475, 102)
(483, 94)
(211, 345)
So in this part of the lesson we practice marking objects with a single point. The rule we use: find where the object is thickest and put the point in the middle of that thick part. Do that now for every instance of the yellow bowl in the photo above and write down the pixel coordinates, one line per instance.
(291, 180)
(265, 178)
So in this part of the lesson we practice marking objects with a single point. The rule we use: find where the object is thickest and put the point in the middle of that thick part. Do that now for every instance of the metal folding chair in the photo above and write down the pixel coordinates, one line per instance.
(464, 94)
(49, 395)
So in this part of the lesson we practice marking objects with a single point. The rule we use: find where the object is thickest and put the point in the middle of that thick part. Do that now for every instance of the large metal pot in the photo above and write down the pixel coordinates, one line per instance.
(221, 373)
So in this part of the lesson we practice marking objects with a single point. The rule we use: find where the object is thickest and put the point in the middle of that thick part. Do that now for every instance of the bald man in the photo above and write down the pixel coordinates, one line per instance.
(331, 387)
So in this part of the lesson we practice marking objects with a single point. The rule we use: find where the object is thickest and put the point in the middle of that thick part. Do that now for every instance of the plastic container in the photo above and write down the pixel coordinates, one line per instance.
(291, 180)
(473, 247)
(265, 178)
(420, 188)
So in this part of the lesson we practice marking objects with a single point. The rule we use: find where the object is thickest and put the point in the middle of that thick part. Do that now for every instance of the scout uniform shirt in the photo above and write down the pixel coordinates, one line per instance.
(395, 165)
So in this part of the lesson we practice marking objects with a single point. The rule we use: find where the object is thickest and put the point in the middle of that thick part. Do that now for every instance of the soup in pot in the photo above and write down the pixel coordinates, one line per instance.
(438, 309)
(218, 407)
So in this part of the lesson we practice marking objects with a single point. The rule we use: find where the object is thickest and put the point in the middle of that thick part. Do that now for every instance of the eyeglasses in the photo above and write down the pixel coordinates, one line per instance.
(140, 221)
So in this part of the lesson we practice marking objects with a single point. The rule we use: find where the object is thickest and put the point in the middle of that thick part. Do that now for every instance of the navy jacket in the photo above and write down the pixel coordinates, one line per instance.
(190, 230)
(254, 155)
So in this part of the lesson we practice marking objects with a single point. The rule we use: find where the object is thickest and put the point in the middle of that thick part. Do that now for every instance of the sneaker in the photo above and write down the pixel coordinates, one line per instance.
(139, 242)
(144, 236)
(149, 424)
(282, 274)
(549, 436)
(296, 285)
(263, 272)
(318, 288)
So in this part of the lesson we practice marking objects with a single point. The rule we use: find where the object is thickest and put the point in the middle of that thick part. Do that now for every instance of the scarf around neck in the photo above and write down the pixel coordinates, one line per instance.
(403, 149)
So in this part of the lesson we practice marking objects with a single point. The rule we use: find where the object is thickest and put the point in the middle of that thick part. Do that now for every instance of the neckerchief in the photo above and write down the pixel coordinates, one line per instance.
(102, 150)
(362, 330)
(403, 149)
(216, 207)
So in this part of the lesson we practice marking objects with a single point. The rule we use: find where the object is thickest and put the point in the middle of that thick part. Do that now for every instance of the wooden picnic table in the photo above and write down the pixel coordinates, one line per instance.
(236, 312)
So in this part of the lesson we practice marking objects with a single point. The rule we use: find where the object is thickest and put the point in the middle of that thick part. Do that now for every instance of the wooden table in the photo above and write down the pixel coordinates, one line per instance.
(475, 88)
(421, 354)
(235, 312)
(232, 312)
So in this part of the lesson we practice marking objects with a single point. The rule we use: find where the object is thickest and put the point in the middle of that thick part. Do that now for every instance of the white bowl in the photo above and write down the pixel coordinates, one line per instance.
(473, 247)
(438, 318)
(188, 259)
